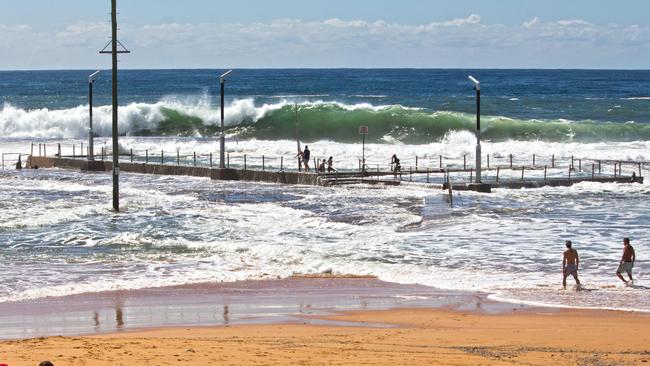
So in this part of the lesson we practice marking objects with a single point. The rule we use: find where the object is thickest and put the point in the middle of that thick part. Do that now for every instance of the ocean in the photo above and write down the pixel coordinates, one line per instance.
(58, 235)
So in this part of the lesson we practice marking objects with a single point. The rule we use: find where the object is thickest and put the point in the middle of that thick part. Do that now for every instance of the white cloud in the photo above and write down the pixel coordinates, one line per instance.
(346, 24)
(531, 23)
(472, 19)
(574, 22)
(461, 42)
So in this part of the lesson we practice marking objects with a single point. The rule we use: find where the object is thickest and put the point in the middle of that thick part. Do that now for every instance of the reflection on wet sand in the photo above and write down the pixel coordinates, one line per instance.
(244, 302)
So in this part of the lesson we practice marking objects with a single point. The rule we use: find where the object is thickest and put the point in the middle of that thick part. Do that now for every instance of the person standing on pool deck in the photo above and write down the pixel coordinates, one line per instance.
(570, 264)
(627, 261)
(330, 164)
(305, 158)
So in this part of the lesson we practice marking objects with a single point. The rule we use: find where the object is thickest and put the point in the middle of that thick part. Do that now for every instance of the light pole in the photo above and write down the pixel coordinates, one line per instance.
(116, 157)
(477, 87)
(91, 80)
(222, 137)
(363, 131)
(113, 52)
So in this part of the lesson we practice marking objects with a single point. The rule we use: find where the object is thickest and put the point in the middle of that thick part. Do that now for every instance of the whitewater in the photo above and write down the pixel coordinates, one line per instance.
(317, 120)
(58, 235)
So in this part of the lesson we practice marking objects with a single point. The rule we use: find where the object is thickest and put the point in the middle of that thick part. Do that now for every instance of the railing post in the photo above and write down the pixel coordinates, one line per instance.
(244, 161)
(316, 166)
(614, 170)
(281, 163)
(178, 157)
(440, 156)
(579, 165)
(44, 150)
(510, 161)
(162, 157)
(533, 159)
(471, 174)
(58, 150)
(571, 161)
(498, 168)
(39, 149)
(593, 170)
(210, 160)
(195, 158)
(599, 168)
(131, 151)
(464, 161)
(103, 152)
(146, 156)
(263, 163)
(427, 174)
(553, 161)
(31, 152)
(522, 173)
(570, 172)
(545, 172)
(228, 161)
(410, 174)
(488, 161)
(74, 151)
(416, 163)
(81, 150)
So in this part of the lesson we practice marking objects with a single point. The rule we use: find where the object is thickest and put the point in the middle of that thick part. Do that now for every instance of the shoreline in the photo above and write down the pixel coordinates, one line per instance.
(292, 300)
(315, 321)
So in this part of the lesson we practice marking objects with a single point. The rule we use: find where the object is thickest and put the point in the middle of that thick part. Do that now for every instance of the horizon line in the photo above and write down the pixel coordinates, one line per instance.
(336, 68)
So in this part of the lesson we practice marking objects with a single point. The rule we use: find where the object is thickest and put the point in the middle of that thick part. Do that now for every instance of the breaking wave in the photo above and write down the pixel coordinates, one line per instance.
(316, 121)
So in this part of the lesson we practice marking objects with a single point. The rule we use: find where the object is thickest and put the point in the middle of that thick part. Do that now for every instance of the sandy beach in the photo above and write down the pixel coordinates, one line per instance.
(464, 330)
(421, 336)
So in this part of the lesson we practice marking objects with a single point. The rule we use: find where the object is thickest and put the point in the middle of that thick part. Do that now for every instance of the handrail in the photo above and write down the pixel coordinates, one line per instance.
(20, 155)
(425, 164)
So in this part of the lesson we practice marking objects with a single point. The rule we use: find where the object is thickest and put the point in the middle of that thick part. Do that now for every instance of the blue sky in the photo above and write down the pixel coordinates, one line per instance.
(355, 33)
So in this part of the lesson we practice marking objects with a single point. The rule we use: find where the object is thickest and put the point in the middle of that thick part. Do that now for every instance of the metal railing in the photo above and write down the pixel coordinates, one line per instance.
(421, 168)
(11, 160)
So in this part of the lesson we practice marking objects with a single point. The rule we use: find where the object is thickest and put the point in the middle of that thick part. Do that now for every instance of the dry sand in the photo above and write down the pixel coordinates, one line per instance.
(418, 337)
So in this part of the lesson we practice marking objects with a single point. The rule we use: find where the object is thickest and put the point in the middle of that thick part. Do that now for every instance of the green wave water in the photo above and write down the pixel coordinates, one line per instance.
(337, 122)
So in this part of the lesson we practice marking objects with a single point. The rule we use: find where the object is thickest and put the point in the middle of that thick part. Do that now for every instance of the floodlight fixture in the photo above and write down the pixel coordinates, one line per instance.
(477, 84)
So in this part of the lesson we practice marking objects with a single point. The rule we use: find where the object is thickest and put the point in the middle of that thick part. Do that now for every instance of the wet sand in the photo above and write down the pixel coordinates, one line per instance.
(322, 321)
(217, 304)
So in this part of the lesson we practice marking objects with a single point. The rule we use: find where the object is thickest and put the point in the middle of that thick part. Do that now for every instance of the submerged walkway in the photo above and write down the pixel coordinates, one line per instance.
(322, 179)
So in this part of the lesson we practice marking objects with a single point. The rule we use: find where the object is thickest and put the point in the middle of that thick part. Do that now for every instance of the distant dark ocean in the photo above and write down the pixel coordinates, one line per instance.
(405, 105)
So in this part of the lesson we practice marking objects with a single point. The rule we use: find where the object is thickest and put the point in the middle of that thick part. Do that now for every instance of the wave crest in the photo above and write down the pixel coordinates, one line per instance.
(318, 120)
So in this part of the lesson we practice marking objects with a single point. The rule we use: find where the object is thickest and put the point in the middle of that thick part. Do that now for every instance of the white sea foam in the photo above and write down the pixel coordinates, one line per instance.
(176, 230)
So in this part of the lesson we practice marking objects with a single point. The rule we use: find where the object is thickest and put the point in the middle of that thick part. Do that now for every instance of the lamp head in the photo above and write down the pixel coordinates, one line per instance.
(477, 84)
(222, 78)
(93, 76)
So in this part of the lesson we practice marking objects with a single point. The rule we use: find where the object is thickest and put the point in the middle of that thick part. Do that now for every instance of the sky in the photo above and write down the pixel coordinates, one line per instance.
(169, 34)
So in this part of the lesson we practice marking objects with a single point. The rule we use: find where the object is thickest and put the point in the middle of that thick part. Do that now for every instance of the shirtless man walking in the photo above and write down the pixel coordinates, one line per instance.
(627, 261)
(570, 264)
